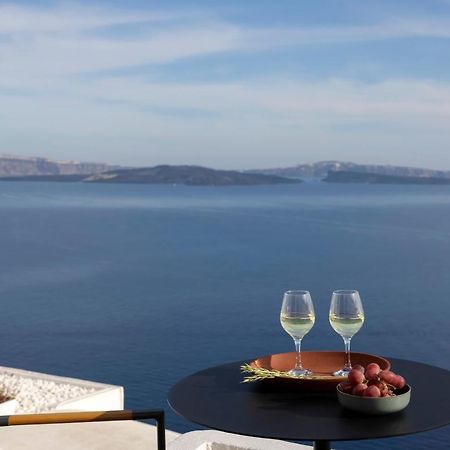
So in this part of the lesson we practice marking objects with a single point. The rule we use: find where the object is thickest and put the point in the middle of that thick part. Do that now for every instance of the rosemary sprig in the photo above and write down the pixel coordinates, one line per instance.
(260, 373)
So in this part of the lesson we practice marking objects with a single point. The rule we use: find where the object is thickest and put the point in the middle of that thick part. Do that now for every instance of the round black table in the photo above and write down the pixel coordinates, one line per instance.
(217, 398)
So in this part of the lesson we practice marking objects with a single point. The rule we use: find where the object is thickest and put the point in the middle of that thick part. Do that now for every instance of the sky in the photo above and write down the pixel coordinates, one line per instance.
(235, 84)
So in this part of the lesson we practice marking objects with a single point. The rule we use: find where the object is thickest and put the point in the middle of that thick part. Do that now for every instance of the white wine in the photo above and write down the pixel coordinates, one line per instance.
(346, 326)
(297, 326)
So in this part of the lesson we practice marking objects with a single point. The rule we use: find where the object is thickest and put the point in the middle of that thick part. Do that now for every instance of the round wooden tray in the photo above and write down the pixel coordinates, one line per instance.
(321, 363)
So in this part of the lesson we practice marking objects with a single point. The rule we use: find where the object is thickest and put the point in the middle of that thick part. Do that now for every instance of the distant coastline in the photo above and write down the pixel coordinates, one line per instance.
(322, 168)
(34, 169)
(57, 178)
(186, 175)
(372, 178)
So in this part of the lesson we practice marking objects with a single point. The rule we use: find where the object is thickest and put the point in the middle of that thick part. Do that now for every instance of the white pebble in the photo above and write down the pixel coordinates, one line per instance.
(37, 395)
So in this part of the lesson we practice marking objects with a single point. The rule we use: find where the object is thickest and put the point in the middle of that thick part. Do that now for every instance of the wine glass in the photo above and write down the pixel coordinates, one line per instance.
(346, 318)
(297, 318)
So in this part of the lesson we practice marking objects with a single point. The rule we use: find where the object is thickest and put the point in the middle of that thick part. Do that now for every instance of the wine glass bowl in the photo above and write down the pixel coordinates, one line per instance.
(346, 318)
(297, 317)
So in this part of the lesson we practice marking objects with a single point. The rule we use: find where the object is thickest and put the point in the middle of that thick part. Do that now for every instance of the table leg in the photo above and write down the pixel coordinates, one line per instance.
(322, 445)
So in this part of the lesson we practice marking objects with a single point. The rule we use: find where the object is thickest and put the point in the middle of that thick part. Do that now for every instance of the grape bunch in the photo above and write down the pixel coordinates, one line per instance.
(372, 382)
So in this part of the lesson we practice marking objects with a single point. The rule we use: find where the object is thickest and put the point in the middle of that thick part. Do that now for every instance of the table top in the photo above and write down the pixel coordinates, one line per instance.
(217, 398)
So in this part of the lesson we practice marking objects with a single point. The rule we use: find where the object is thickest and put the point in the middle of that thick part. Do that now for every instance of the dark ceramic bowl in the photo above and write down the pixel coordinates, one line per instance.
(377, 405)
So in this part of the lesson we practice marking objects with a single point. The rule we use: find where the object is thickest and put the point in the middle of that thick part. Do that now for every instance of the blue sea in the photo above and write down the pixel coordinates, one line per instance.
(141, 285)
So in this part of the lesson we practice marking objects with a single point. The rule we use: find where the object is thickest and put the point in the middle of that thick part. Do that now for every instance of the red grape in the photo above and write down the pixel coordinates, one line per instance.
(379, 384)
(359, 389)
(358, 367)
(387, 375)
(374, 367)
(346, 387)
(355, 377)
(398, 381)
(372, 382)
(372, 391)
(372, 374)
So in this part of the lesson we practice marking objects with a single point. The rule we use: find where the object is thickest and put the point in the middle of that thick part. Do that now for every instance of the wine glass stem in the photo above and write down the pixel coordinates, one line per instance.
(298, 355)
(348, 364)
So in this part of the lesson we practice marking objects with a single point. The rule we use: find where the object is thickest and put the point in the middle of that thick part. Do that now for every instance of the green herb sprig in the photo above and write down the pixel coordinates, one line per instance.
(260, 373)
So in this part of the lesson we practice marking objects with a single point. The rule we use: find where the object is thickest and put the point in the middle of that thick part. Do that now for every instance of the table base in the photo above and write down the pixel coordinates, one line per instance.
(322, 445)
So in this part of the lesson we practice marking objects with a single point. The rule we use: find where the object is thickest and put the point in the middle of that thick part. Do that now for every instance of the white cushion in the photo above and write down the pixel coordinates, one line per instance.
(217, 440)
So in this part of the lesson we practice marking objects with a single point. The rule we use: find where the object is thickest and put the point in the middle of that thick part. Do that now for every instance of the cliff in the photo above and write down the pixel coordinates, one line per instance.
(372, 178)
(321, 169)
(16, 166)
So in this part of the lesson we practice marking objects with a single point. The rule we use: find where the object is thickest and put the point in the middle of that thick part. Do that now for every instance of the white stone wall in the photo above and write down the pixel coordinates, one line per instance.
(39, 392)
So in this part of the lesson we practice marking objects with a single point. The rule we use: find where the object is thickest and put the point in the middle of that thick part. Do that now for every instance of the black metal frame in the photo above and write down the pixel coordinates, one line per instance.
(322, 445)
(158, 416)
(91, 416)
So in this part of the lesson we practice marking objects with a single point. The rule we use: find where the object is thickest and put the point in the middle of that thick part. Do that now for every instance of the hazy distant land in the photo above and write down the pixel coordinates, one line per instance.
(18, 166)
(373, 178)
(164, 174)
(13, 168)
(188, 175)
(320, 170)
(60, 178)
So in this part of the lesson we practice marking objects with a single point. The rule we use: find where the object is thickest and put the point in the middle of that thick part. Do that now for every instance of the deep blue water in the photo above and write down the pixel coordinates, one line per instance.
(142, 285)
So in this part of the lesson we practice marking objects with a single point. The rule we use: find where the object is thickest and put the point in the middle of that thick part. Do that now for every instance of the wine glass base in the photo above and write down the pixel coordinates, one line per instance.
(342, 373)
(300, 372)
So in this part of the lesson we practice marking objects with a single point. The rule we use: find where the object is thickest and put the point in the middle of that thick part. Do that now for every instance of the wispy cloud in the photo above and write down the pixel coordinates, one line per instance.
(54, 41)
(68, 55)
(47, 53)
(265, 113)
(74, 18)
(333, 35)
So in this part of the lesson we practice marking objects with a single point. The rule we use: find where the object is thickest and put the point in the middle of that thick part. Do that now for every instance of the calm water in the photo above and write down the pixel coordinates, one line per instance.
(142, 285)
